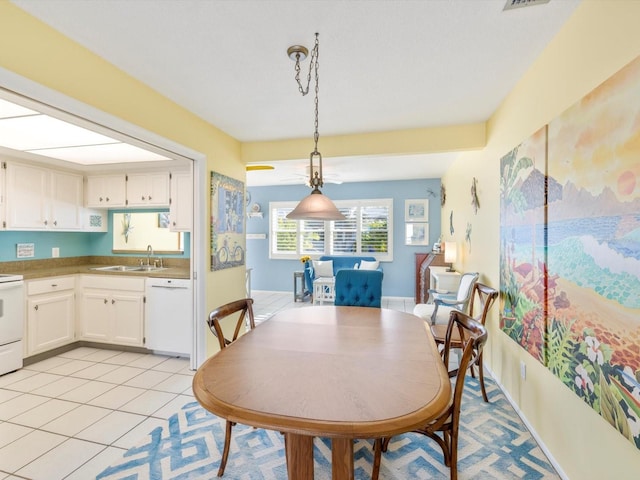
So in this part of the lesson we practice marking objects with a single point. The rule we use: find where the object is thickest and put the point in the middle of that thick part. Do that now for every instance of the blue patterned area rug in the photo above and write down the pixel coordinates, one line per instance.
(493, 444)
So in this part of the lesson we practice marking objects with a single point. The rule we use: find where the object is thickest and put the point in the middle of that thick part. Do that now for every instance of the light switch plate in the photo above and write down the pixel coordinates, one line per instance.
(55, 252)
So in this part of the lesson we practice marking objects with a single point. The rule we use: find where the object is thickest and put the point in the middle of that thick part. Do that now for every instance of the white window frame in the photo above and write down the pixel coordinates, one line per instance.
(274, 207)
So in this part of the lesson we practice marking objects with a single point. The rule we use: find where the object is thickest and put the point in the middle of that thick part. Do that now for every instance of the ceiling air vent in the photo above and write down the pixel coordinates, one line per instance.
(511, 4)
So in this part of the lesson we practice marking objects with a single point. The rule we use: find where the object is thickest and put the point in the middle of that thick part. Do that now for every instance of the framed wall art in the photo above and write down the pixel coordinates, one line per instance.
(227, 222)
(416, 233)
(416, 210)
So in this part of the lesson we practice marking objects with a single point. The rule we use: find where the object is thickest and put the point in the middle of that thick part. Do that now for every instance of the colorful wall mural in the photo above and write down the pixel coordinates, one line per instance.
(570, 248)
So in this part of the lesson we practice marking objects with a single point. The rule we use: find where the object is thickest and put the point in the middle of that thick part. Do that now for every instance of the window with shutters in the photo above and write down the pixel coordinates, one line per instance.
(367, 230)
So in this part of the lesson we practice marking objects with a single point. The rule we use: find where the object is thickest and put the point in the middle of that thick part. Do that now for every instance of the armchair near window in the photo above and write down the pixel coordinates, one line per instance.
(359, 288)
(444, 303)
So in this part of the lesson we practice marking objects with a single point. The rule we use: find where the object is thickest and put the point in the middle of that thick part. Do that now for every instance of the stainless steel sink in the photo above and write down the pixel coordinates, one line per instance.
(145, 268)
(129, 268)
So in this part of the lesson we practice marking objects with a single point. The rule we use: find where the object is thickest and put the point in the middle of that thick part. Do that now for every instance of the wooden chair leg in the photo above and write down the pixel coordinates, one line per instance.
(481, 379)
(385, 443)
(377, 454)
(225, 451)
(453, 460)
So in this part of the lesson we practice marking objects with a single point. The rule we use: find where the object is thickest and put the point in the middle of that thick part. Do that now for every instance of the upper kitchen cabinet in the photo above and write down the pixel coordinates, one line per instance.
(148, 189)
(181, 207)
(107, 191)
(42, 199)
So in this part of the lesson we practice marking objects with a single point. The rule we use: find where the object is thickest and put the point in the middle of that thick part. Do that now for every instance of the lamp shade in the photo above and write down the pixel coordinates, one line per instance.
(450, 252)
(316, 206)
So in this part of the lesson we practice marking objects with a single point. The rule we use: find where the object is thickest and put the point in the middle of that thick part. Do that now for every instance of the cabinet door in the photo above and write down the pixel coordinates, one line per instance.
(50, 321)
(27, 197)
(127, 311)
(96, 314)
(136, 190)
(148, 190)
(158, 189)
(106, 191)
(66, 201)
(181, 207)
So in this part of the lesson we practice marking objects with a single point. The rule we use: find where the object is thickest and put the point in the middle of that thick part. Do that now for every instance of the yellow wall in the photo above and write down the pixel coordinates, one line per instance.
(598, 40)
(33, 50)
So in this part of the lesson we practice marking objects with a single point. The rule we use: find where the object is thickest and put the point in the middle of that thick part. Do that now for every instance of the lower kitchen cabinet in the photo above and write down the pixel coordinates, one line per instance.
(112, 309)
(50, 313)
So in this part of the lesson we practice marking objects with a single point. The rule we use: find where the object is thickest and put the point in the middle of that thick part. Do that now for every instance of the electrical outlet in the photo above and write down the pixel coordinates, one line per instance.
(55, 252)
(523, 370)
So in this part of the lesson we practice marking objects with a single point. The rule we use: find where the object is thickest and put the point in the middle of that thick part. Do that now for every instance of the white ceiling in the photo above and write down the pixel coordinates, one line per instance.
(384, 65)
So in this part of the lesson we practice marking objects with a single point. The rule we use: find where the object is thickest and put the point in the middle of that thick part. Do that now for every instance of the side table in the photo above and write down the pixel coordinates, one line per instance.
(445, 280)
(299, 292)
(324, 290)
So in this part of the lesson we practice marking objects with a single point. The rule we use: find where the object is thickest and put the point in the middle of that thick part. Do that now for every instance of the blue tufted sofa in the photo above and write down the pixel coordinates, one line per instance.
(359, 288)
(340, 262)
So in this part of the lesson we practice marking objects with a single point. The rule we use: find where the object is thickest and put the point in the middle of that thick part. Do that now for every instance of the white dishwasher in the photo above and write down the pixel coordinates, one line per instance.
(168, 316)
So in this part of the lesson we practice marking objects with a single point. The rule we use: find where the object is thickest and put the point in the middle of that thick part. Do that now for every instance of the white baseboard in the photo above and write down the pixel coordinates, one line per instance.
(533, 432)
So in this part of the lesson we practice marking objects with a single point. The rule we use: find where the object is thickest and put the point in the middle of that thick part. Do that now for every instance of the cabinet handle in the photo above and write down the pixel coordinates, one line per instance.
(36, 307)
(112, 302)
(142, 197)
(55, 222)
(101, 198)
(107, 199)
(105, 300)
(46, 223)
(54, 285)
(149, 197)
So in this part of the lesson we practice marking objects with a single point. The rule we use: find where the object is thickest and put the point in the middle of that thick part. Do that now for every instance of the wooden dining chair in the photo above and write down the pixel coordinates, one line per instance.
(481, 302)
(474, 336)
(244, 309)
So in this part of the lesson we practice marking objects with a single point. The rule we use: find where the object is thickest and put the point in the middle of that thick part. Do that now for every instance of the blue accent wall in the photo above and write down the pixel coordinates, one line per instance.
(71, 244)
(399, 281)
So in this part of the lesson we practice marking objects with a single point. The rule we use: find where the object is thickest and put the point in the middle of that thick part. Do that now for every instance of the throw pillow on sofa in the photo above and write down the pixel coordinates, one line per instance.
(368, 265)
(323, 269)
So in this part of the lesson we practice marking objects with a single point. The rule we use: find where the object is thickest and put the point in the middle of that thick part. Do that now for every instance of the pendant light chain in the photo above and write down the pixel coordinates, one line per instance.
(315, 206)
(316, 135)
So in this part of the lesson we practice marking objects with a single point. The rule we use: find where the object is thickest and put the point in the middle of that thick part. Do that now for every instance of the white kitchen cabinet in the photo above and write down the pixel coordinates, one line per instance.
(148, 189)
(181, 202)
(66, 201)
(42, 199)
(50, 313)
(112, 309)
(106, 191)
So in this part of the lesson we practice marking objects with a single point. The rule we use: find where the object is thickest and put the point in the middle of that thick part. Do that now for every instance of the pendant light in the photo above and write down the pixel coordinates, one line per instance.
(315, 206)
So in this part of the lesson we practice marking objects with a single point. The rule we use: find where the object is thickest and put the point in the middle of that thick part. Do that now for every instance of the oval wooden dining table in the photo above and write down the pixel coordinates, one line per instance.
(326, 371)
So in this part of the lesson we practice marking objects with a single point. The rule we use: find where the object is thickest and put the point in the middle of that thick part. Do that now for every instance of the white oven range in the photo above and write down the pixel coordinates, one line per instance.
(11, 322)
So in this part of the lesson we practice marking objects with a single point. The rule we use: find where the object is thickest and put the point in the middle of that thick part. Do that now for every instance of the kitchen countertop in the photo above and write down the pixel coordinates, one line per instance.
(54, 267)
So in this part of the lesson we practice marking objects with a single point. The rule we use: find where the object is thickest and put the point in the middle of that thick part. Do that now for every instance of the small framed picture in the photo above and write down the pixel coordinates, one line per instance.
(416, 210)
(416, 233)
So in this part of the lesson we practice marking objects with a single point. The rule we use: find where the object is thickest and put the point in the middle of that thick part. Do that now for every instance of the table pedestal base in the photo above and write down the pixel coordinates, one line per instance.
(299, 451)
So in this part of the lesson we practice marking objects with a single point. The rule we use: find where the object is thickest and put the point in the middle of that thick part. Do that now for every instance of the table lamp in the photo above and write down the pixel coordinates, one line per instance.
(450, 254)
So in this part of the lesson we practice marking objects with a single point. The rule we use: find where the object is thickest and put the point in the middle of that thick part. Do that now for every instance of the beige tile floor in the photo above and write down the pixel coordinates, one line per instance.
(71, 415)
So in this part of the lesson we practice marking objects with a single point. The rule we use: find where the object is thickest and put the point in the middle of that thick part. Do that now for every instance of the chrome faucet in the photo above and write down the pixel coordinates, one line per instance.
(149, 253)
